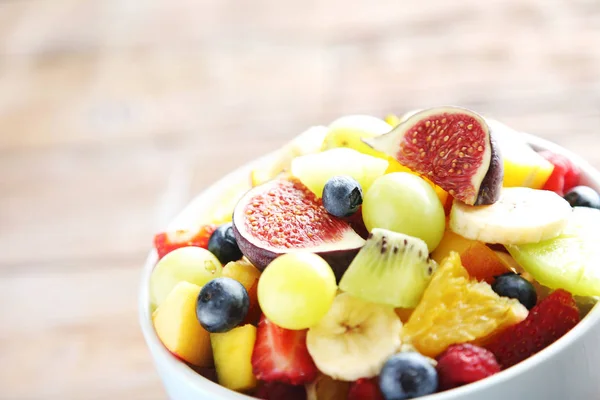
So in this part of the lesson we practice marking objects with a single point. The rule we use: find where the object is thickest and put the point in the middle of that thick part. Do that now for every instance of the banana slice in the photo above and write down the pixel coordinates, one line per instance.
(354, 339)
(521, 216)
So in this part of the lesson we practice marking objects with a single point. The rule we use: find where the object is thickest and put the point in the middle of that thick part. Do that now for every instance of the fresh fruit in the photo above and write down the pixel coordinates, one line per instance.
(523, 166)
(166, 242)
(283, 216)
(453, 147)
(465, 363)
(232, 352)
(451, 242)
(356, 222)
(348, 131)
(354, 338)
(405, 203)
(308, 142)
(516, 287)
(342, 196)
(481, 262)
(296, 290)
(281, 355)
(280, 391)
(365, 389)
(520, 216)
(178, 329)
(245, 273)
(223, 245)
(565, 175)
(455, 309)
(190, 264)
(222, 305)
(314, 170)
(546, 323)
(407, 375)
(326, 388)
(392, 269)
(583, 196)
(569, 261)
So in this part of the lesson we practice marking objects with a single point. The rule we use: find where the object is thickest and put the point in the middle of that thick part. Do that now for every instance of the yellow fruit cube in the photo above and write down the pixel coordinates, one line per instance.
(233, 354)
(178, 328)
(242, 271)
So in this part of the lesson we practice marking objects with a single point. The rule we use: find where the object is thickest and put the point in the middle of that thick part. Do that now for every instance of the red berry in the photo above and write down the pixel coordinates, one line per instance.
(547, 322)
(281, 355)
(465, 363)
(280, 391)
(166, 242)
(565, 175)
(365, 389)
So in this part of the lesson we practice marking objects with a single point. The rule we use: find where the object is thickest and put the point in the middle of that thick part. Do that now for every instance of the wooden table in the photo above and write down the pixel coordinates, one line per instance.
(114, 113)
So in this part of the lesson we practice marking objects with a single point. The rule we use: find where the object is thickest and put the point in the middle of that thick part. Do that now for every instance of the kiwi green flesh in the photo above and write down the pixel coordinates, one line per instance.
(391, 269)
(568, 262)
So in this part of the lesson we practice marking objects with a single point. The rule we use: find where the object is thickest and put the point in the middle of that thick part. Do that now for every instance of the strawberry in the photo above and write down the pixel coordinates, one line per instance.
(565, 175)
(281, 355)
(365, 389)
(465, 363)
(166, 242)
(278, 391)
(553, 317)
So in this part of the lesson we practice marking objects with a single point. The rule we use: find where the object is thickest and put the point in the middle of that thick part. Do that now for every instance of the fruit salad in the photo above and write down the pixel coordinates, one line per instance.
(382, 259)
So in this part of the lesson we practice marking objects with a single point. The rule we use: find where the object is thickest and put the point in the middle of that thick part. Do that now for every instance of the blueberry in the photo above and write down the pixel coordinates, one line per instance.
(406, 376)
(342, 196)
(583, 196)
(516, 287)
(222, 305)
(223, 245)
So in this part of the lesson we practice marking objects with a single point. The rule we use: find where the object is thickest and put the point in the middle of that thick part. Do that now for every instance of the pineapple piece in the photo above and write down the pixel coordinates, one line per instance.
(233, 353)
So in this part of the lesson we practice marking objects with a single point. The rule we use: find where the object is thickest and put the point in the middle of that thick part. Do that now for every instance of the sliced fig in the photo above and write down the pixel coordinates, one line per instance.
(453, 147)
(284, 216)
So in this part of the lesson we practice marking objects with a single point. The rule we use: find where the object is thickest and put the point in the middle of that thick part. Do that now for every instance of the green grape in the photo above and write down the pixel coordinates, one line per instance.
(405, 203)
(296, 290)
(191, 264)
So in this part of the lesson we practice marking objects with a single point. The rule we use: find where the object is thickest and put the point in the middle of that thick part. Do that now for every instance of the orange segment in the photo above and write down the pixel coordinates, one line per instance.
(456, 309)
(482, 263)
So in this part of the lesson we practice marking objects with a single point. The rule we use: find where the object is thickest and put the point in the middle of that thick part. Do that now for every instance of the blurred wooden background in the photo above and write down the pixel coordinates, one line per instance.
(114, 113)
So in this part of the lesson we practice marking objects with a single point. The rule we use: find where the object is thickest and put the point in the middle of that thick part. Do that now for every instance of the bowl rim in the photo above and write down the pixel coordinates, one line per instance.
(199, 383)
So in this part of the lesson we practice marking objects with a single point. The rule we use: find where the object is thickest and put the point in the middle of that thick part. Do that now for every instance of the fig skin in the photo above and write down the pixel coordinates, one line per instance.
(491, 186)
(338, 260)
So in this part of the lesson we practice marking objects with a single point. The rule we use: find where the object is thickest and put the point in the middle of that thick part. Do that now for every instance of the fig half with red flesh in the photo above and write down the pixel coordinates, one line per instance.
(453, 147)
(284, 216)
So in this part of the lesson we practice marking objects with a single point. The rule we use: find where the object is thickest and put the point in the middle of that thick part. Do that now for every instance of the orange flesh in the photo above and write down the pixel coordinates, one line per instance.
(291, 216)
(447, 149)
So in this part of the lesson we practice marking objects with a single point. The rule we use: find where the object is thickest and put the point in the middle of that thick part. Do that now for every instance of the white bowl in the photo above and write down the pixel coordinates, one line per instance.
(566, 370)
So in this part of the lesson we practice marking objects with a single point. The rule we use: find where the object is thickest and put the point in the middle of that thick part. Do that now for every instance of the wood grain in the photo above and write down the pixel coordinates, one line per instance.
(113, 114)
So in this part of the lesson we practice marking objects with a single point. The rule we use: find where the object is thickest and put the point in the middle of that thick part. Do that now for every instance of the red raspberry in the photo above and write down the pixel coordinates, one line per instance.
(546, 323)
(565, 175)
(365, 389)
(465, 363)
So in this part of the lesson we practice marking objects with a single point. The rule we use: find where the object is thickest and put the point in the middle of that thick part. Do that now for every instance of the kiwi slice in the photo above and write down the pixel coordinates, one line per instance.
(569, 261)
(391, 268)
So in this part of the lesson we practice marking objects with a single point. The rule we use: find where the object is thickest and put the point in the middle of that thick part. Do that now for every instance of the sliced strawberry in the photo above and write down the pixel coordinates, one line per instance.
(365, 389)
(166, 242)
(547, 322)
(280, 391)
(281, 355)
(565, 175)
